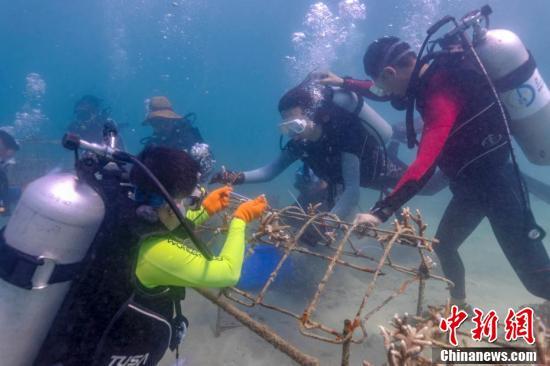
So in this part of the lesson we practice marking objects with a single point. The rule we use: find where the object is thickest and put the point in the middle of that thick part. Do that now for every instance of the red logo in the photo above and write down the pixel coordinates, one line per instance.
(517, 325)
(452, 323)
(520, 325)
(485, 326)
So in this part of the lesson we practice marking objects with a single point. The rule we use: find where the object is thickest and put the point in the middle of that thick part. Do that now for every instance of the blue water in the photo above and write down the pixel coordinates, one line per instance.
(227, 61)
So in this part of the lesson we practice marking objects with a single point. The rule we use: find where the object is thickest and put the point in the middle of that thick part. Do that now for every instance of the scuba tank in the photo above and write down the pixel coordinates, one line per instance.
(353, 103)
(522, 89)
(41, 250)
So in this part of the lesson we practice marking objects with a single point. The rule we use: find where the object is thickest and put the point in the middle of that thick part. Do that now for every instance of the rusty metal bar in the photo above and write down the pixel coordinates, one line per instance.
(271, 232)
(346, 346)
(261, 329)
(328, 273)
(420, 300)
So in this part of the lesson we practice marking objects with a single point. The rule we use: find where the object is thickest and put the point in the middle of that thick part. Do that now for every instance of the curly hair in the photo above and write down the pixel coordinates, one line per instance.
(175, 169)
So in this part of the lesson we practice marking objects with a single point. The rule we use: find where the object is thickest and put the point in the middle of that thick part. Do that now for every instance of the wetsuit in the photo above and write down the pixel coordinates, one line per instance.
(346, 157)
(125, 307)
(464, 135)
(167, 260)
(187, 137)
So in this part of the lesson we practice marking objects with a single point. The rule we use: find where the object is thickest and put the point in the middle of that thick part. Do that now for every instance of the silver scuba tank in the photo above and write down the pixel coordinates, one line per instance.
(522, 90)
(41, 249)
(353, 103)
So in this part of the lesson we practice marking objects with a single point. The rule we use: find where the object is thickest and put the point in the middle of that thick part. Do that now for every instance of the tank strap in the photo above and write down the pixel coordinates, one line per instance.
(518, 76)
(31, 272)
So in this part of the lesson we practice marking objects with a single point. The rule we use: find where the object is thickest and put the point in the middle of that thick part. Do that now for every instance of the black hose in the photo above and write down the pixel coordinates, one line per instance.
(411, 92)
(73, 142)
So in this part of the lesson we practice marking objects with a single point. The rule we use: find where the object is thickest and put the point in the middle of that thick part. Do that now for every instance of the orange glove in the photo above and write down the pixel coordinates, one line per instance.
(217, 200)
(251, 210)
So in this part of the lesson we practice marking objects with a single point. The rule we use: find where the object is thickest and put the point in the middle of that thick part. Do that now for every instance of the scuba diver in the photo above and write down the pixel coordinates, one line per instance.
(329, 139)
(333, 143)
(8, 149)
(92, 123)
(178, 132)
(125, 308)
(465, 134)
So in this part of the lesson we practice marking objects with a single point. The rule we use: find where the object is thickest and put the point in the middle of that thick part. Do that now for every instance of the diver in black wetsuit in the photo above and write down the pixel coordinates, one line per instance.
(464, 134)
(91, 120)
(177, 132)
(333, 143)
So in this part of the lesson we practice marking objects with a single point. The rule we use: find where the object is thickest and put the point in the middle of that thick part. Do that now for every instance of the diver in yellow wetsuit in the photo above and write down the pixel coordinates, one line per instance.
(167, 260)
(127, 310)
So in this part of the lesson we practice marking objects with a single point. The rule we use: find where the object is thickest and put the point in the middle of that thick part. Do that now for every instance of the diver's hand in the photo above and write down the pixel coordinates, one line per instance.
(327, 78)
(217, 200)
(227, 177)
(251, 210)
(367, 219)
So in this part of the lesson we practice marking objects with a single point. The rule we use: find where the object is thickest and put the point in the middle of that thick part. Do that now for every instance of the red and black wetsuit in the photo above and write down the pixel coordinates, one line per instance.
(464, 136)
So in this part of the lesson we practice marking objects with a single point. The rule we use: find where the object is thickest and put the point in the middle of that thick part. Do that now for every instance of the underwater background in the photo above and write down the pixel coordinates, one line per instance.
(229, 61)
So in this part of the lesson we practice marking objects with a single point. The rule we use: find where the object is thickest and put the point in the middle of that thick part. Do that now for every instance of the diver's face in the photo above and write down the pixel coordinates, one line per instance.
(309, 131)
(394, 80)
(162, 126)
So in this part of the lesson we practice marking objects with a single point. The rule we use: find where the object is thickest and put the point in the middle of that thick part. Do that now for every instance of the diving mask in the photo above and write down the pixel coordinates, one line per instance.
(293, 127)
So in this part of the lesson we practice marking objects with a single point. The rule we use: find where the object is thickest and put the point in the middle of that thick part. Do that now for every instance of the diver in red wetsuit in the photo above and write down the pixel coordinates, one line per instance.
(464, 135)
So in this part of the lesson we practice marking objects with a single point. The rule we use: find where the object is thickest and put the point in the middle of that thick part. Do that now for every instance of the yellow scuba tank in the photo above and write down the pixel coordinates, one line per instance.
(521, 88)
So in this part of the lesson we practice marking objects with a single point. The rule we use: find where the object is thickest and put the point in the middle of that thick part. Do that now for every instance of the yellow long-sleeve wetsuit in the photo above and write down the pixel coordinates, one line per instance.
(167, 260)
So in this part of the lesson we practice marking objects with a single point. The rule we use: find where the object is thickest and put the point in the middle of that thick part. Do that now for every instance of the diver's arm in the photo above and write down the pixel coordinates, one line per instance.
(441, 112)
(361, 87)
(167, 262)
(270, 171)
(349, 199)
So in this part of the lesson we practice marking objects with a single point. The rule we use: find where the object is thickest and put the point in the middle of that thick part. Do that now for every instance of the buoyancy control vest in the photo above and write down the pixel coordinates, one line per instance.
(477, 142)
(343, 133)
